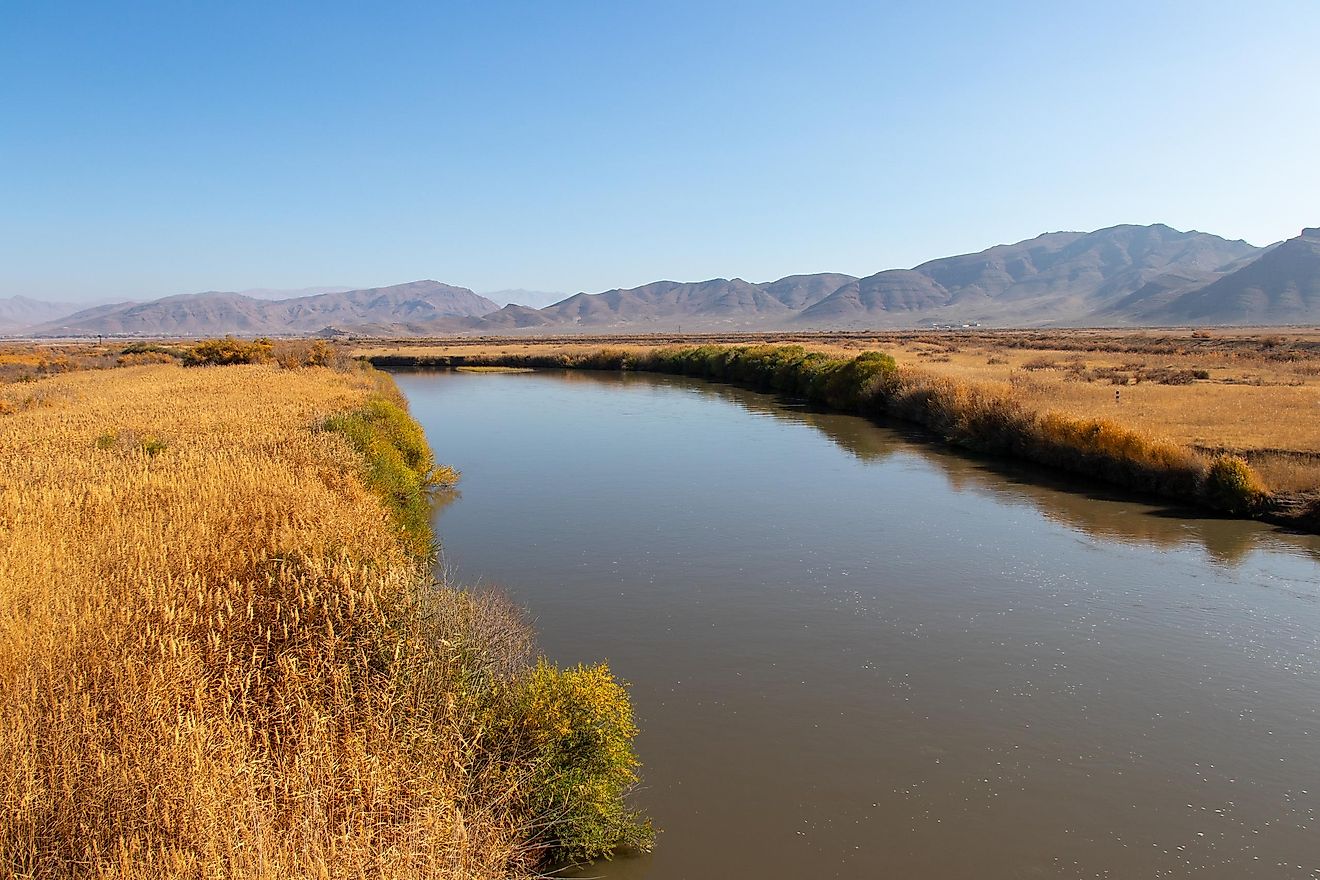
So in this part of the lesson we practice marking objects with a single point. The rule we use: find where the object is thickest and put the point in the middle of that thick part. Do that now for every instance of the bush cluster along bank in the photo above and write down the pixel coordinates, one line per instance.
(222, 653)
(965, 414)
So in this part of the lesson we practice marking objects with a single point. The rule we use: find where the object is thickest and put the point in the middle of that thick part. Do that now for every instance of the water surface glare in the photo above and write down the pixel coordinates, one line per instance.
(853, 654)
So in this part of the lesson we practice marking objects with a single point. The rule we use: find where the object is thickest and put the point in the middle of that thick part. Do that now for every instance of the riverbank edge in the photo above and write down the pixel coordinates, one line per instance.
(570, 729)
(962, 414)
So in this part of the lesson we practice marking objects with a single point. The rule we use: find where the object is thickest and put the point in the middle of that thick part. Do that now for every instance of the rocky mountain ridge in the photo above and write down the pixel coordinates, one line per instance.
(1119, 276)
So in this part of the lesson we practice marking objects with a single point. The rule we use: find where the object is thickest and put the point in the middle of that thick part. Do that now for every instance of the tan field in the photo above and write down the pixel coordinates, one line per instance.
(136, 507)
(221, 657)
(1255, 393)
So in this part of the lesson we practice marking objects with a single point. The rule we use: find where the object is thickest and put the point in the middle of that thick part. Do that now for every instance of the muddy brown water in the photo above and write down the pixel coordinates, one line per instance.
(854, 653)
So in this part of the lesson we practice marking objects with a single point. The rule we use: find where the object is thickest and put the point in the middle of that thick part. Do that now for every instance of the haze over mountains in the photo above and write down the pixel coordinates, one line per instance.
(199, 314)
(286, 293)
(18, 312)
(1123, 275)
(535, 299)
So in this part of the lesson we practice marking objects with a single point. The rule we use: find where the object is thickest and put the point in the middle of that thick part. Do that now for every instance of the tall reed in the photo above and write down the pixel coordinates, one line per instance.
(228, 658)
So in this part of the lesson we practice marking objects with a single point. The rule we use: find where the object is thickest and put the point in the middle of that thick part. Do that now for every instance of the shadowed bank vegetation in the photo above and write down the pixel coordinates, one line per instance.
(222, 653)
(1237, 392)
(965, 414)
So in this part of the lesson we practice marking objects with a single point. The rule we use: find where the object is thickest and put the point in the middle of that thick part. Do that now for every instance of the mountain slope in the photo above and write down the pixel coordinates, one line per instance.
(211, 313)
(801, 291)
(1058, 277)
(1280, 287)
(892, 291)
(717, 302)
(670, 302)
(19, 312)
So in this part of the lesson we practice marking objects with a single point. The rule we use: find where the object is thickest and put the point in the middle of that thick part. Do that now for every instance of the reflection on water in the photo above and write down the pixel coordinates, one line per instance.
(856, 655)
(1064, 499)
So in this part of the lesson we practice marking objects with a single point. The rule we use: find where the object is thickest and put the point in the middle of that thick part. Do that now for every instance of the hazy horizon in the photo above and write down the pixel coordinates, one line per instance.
(521, 296)
(583, 149)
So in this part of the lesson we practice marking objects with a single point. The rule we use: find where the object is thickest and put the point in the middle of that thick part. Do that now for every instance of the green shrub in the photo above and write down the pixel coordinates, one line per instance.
(1232, 485)
(152, 446)
(227, 351)
(400, 467)
(856, 382)
(843, 383)
(569, 732)
(172, 351)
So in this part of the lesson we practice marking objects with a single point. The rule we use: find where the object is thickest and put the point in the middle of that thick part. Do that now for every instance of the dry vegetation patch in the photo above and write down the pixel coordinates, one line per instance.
(220, 655)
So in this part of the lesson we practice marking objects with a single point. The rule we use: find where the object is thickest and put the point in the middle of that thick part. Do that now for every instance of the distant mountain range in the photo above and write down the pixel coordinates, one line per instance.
(19, 312)
(214, 312)
(1123, 275)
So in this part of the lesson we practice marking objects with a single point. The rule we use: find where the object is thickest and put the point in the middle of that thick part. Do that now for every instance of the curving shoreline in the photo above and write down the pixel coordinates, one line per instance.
(963, 414)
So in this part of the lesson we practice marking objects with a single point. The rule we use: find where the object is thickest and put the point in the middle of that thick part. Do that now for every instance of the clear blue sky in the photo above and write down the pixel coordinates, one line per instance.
(157, 148)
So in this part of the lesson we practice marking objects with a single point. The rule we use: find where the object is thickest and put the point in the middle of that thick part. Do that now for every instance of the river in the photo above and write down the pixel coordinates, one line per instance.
(855, 653)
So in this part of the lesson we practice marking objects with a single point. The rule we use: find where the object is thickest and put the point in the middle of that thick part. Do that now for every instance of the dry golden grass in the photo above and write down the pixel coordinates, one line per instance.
(1264, 407)
(22, 361)
(1261, 397)
(206, 668)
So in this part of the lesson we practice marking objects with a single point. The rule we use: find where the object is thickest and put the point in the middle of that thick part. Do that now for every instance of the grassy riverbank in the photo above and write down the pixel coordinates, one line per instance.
(1244, 392)
(222, 653)
(972, 415)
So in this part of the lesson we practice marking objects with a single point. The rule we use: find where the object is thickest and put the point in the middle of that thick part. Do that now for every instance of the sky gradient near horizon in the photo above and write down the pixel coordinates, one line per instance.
(150, 149)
